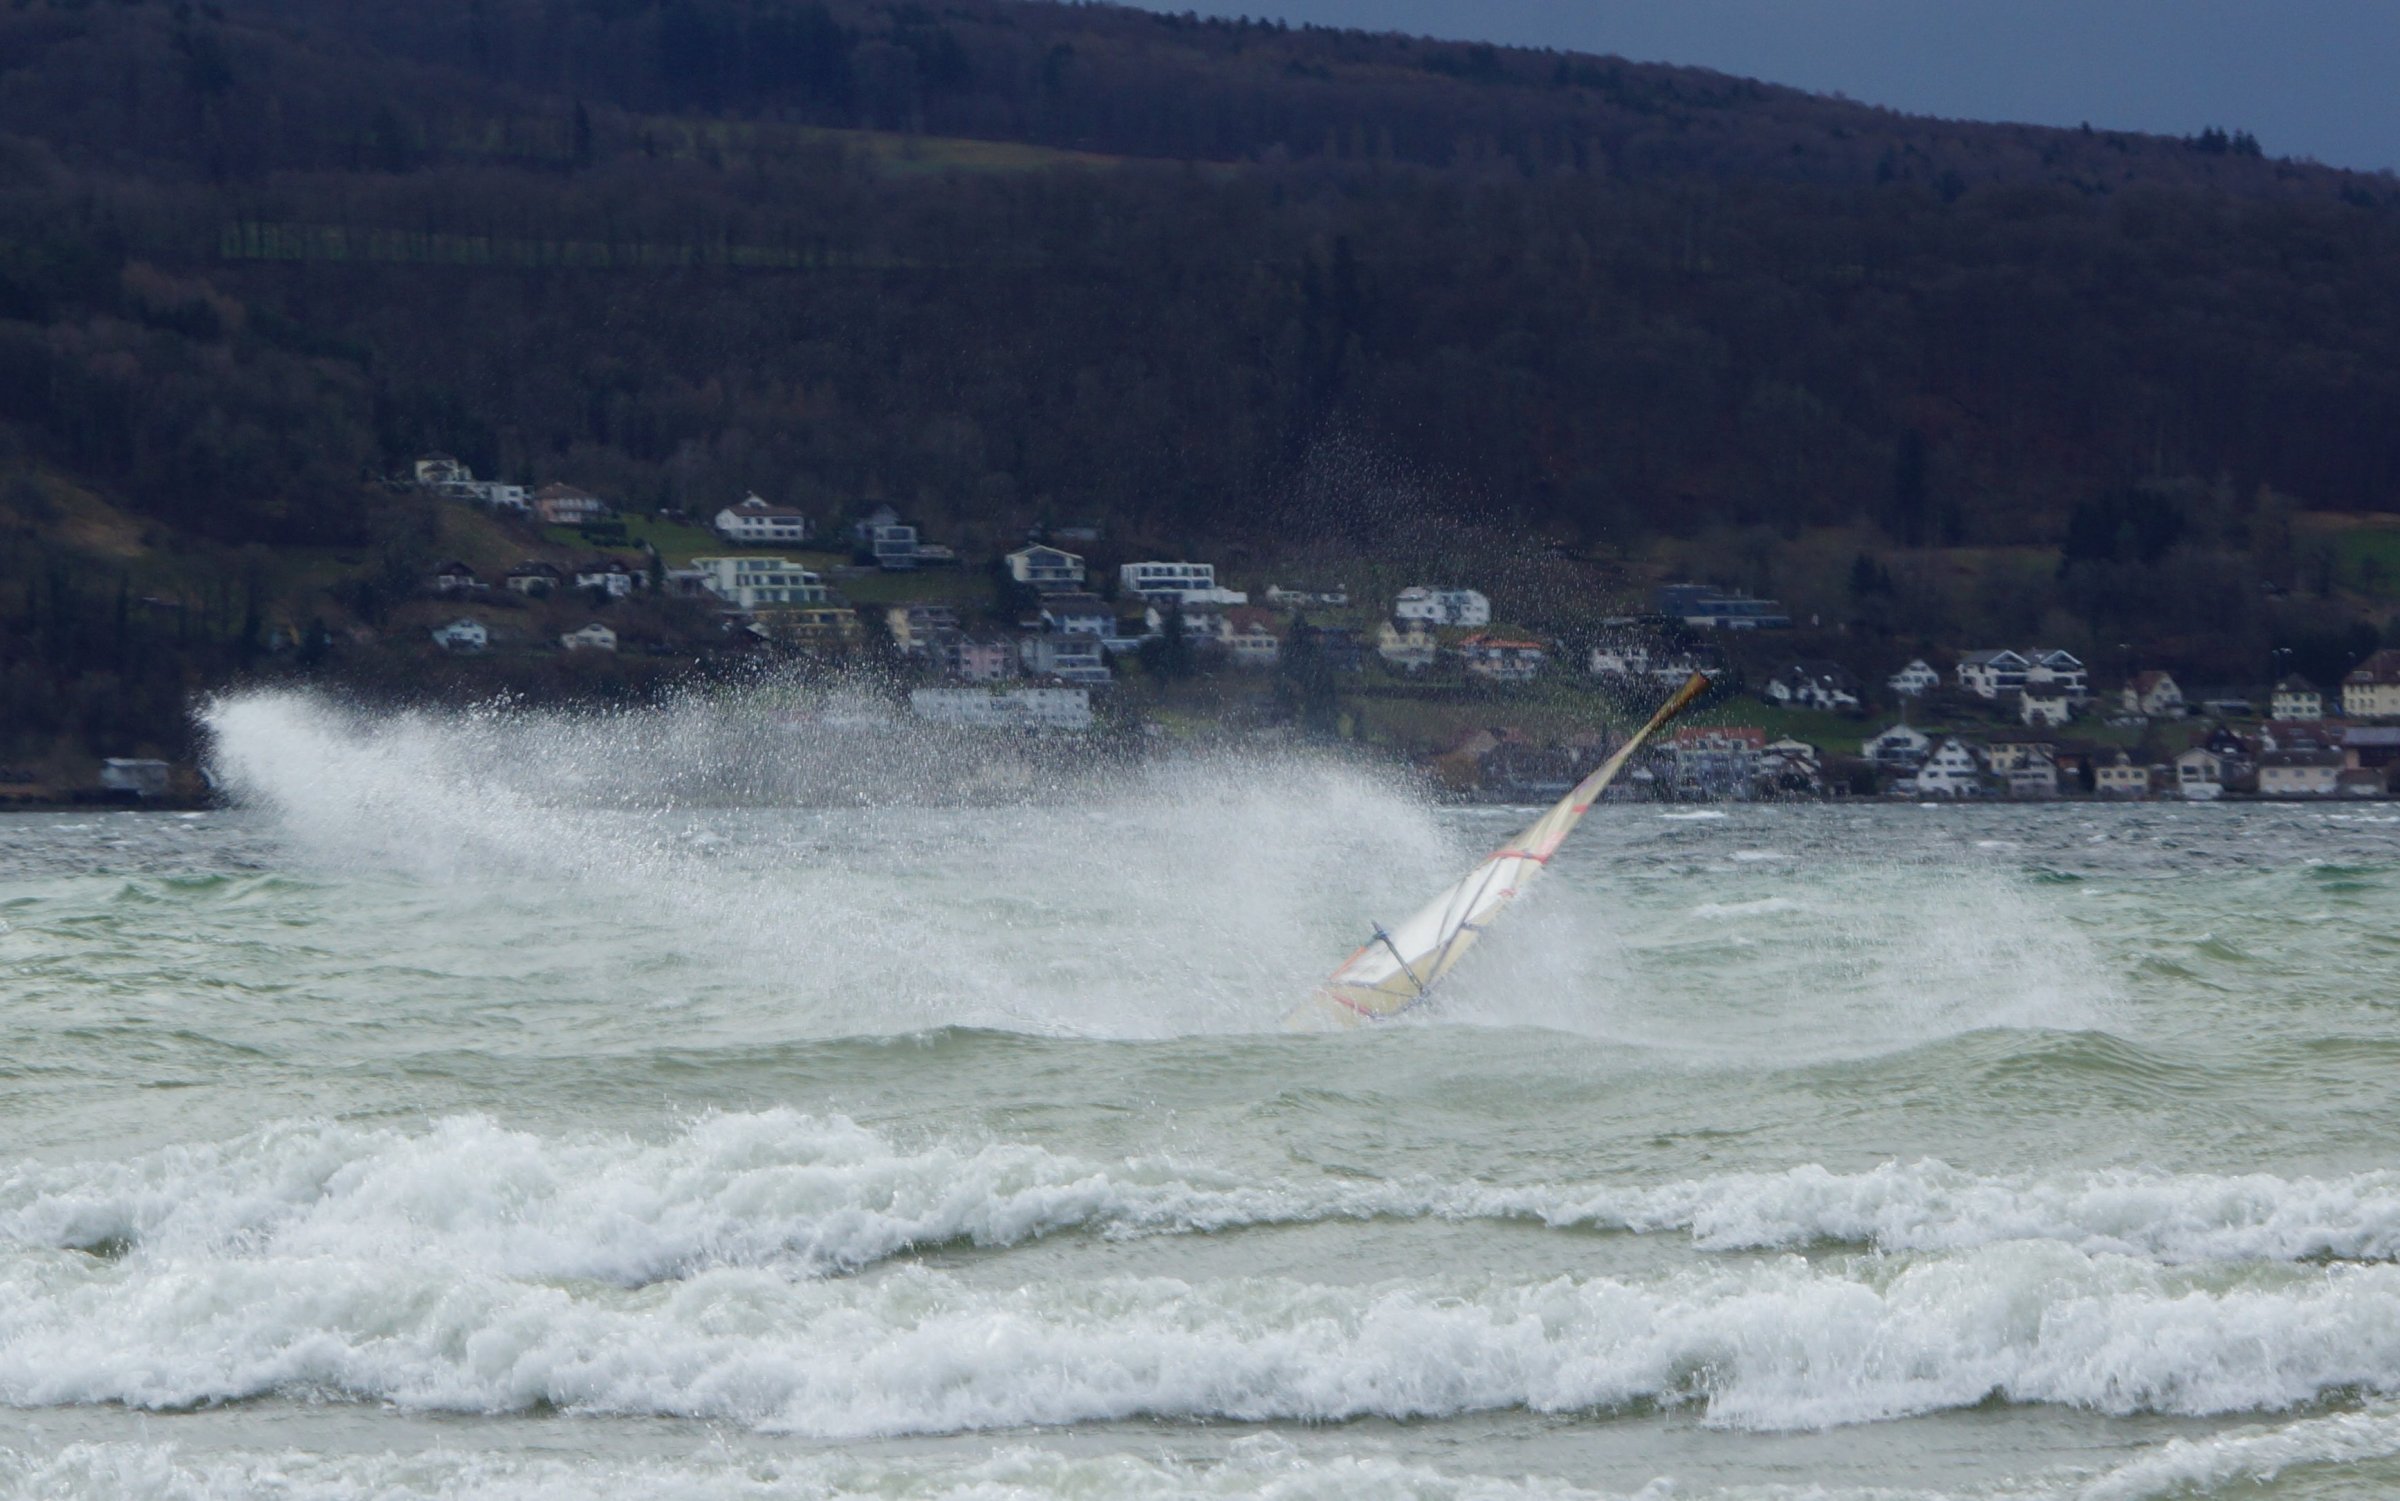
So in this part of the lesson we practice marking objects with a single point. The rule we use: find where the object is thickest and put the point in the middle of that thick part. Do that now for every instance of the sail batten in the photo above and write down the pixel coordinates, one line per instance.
(1398, 968)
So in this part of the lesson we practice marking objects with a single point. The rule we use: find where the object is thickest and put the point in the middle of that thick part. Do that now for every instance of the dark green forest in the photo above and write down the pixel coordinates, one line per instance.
(995, 262)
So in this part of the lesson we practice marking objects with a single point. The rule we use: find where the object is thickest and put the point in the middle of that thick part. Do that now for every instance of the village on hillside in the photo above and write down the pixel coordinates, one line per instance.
(1046, 640)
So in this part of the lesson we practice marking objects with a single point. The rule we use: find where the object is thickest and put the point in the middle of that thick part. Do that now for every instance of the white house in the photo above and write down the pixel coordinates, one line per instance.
(2200, 774)
(1191, 583)
(140, 775)
(610, 576)
(593, 637)
(1032, 707)
(2034, 777)
(918, 629)
(499, 495)
(1790, 765)
(1071, 658)
(1199, 623)
(534, 579)
(750, 582)
(1305, 596)
(895, 547)
(1953, 770)
(1078, 614)
(2055, 667)
(2298, 699)
(1989, 674)
(1707, 607)
(1406, 644)
(1437, 606)
(757, 520)
(564, 505)
(2050, 704)
(891, 542)
(1046, 568)
(435, 470)
(981, 659)
(463, 636)
(1253, 636)
(455, 577)
(2299, 773)
(2004, 752)
(1813, 685)
(1502, 659)
(1898, 748)
(1669, 667)
(1618, 662)
(2153, 695)
(2121, 776)
(1915, 680)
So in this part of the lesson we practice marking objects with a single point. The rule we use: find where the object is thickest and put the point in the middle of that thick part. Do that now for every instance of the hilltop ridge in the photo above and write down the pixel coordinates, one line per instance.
(1222, 285)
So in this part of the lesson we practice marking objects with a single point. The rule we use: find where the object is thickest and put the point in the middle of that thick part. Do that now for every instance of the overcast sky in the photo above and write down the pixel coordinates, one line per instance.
(2314, 78)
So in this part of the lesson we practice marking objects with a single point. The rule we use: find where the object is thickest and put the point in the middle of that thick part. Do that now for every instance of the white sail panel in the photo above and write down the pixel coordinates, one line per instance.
(1396, 969)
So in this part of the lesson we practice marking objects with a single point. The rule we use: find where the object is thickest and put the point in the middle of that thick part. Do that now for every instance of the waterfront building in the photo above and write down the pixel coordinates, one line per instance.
(1953, 770)
(2299, 773)
(2200, 774)
(2121, 776)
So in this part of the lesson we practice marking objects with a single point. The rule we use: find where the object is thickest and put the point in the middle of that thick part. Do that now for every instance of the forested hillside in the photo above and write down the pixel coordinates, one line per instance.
(997, 261)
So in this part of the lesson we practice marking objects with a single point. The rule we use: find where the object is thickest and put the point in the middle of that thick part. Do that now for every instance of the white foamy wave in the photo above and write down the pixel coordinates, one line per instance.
(1930, 1206)
(1761, 907)
(1770, 1345)
(2199, 1466)
(1256, 1466)
(811, 1196)
(1693, 815)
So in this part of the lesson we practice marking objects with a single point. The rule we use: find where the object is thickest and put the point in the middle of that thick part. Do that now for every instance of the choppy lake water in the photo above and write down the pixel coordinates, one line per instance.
(422, 1129)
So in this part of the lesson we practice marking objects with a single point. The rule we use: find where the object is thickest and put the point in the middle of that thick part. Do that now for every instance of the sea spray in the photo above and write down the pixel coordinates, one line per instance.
(1092, 898)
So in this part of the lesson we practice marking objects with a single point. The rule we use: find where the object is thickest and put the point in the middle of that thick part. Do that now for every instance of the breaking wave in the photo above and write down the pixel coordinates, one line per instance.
(817, 1196)
(469, 1267)
(1258, 1465)
(1772, 1344)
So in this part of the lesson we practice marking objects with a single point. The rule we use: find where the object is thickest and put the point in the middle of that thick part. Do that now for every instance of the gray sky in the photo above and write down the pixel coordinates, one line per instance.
(2312, 78)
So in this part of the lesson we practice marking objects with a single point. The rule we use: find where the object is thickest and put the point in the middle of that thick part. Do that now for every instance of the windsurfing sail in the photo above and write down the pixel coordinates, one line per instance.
(1395, 970)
